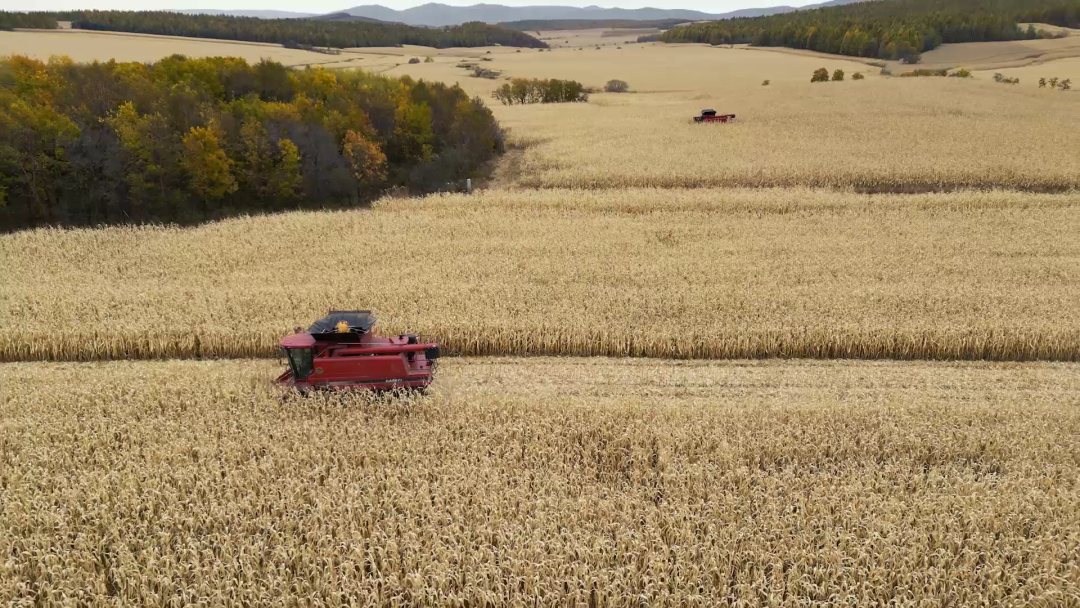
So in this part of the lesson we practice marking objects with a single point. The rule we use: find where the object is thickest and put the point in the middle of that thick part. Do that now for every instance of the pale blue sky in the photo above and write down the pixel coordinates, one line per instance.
(326, 6)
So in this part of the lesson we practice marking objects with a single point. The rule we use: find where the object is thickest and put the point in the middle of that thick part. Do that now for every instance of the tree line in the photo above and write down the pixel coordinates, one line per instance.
(889, 29)
(536, 25)
(186, 140)
(41, 21)
(540, 90)
(314, 32)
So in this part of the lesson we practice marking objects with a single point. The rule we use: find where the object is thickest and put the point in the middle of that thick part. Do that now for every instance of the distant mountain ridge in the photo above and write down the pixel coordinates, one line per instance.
(434, 14)
(346, 17)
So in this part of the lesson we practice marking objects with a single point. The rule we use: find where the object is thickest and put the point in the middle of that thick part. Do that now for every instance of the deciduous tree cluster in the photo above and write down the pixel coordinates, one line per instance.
(185, 140)
(540, 90)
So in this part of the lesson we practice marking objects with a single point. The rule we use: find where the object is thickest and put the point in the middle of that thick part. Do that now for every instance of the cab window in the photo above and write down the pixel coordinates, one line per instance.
(301, 362)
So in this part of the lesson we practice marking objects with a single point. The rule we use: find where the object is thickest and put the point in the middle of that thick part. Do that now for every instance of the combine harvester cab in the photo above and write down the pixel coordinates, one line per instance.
(339, 352)
(712, 116)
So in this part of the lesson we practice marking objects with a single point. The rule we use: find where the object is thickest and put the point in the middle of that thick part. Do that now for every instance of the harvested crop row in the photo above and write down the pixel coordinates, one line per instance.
(545, 482)
(659, 273)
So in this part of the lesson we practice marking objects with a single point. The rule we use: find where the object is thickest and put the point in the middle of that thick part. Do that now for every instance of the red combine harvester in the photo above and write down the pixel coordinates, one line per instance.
(711, 116)
(338, 352)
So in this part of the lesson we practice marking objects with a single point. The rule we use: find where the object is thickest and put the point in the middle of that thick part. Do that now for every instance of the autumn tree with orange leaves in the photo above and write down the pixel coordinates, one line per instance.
(187, 140)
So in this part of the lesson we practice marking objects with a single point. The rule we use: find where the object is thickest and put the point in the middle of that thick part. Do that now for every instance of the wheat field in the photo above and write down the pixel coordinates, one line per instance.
(771, 474)
(879, 134)
(986, 56)
(885, 135)
(638, 272)
(544, 482)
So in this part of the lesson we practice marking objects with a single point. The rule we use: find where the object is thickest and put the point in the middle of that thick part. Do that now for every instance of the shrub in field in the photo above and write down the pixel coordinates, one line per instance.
(414, 60)
(820, 75)
(924, 72)
(1042, 83)
(1053, 82)
(124, 142)
(526, 91)
(764, 83)
(479, 72)
(961, 73)
(616, 86)
(838, 75)
(857, 76)
(1066, 84)
(430, 59)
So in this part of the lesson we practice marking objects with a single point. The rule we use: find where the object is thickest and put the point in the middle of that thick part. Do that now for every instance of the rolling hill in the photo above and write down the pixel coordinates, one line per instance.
(435, 14)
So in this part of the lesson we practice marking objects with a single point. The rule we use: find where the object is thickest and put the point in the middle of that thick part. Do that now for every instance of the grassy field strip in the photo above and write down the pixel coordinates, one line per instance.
(86, 45)
(640, 272)
(545, 481)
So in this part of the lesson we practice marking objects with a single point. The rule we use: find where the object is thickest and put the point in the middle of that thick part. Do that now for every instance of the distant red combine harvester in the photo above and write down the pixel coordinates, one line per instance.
(712, 116)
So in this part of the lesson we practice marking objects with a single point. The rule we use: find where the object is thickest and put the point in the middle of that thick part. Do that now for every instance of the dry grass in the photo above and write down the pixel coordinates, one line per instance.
(592, 38)
(653, 68)
(684, 273)
(878, 135)
(545, 482)
(1062, 68)
(1008, 54)
(84, 45)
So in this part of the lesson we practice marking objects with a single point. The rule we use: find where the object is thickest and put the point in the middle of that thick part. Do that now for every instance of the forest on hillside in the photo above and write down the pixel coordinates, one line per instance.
(890, 29)
(41, 21)
(535, 25)
(186, 140)
(313, 32)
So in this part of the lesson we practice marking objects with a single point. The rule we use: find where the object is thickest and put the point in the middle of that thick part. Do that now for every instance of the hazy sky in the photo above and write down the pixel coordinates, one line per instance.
(326, 6)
